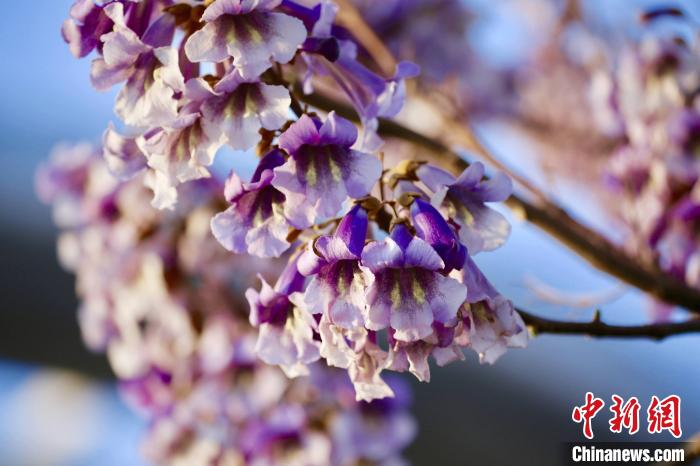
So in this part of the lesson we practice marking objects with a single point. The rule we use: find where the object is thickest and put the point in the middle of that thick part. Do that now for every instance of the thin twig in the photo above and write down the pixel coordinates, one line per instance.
(599, 329)
(587, 243)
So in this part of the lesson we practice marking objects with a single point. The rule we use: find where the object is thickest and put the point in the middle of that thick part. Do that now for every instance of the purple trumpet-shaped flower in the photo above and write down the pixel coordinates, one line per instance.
(254, 223)
(286, 332)
(337, 291)
(160, 296)
(78, 184)
(317, 19)
(250, 32)
(89, 21)
(148, 97)
(338, 286)
(149, 66)
(432, 228)
(490, 322)
(181, 150)
(357, 351)
(323, 170)
(408, 294)
(413, 357)
(121, 49)
(237, 108)
(465, 198)
(66, 174)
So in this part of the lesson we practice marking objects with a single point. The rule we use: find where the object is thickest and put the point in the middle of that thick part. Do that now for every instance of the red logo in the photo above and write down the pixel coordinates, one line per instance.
(665, 415)
(625, 415)
(587, 412)
(662, 415)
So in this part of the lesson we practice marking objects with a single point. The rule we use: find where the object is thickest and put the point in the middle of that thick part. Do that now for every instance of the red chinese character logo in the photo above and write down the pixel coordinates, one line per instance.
(665, 415)
(587, 412)
(626, 415)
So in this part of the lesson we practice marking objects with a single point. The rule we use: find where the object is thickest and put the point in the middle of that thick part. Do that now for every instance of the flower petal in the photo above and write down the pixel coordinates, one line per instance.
(447, 298)
(379, 255)
(365, 170)
(230, 229)
(207, 44)
(337, 130)
(275, 111)
(269, 239)
(420, 254)
(303, 131)
(482, 228)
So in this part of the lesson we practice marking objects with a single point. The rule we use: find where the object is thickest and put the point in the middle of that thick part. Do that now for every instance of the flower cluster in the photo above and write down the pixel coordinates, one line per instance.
(379, 271)
(650, 102)
(160, 297)
(389, 283)
(366, 269)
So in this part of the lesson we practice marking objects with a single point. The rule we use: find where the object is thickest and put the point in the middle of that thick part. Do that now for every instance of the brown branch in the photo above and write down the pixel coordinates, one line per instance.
(599, 329)
(604, 255)
(587, 243)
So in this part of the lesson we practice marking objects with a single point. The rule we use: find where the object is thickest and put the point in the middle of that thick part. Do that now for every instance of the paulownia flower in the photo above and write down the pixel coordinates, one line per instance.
(413, 356)
(238, 108)
(319, 21)
(180, 151)
(338, 286)
(123, 156)
(323, 170)
(491, 323)
(371, 95)
(88, 22)
(432, 228)
(162, 297)
(285, 335)
(250, 32)
(465, 198)
(254, 223)
(408, 294)
(149, 65)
